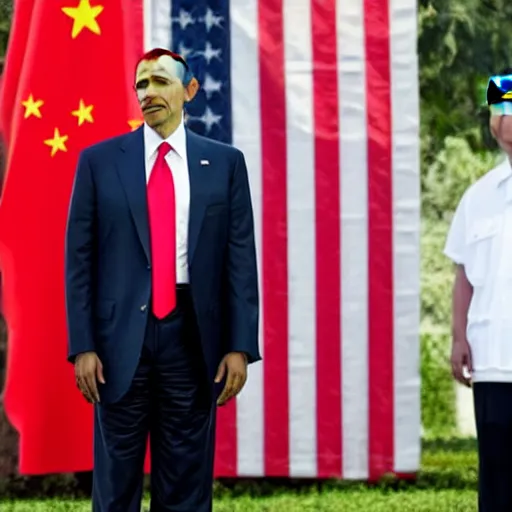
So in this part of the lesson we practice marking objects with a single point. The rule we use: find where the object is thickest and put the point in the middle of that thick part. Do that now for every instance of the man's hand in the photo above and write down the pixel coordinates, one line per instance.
(235, 364)
(461, 358)
(89, 370)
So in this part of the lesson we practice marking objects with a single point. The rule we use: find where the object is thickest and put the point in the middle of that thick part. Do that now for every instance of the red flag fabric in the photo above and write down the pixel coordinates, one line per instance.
(66, 86)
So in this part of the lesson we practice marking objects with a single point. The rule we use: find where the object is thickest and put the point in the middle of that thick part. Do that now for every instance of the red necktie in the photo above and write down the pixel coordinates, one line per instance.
(162, 222)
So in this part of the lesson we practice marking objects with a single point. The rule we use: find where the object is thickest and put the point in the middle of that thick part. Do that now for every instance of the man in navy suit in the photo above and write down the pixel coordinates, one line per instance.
(162, 295)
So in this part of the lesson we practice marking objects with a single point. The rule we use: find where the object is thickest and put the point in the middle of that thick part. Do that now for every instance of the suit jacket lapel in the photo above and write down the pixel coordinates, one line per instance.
(198, 176)
(132, 173)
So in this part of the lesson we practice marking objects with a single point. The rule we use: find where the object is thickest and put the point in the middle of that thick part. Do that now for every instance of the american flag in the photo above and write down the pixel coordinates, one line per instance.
(322, 98)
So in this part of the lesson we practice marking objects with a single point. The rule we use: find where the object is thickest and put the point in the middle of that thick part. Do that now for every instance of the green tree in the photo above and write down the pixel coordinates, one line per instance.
(5, 24)
(460, 43)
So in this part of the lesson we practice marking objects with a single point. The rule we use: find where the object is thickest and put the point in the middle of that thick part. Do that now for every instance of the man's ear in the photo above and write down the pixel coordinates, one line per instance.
(191, 90)
(494, 125)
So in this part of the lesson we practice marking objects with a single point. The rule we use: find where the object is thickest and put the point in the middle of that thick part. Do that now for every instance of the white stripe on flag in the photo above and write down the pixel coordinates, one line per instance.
(354, 238)
(157, 24)
(406, 212)
(147, 23)
(301, 238)
(245, 95)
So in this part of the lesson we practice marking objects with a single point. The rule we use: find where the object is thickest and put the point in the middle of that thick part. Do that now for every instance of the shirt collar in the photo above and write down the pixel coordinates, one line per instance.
(505, 171)
(503, 179)
(177, 140)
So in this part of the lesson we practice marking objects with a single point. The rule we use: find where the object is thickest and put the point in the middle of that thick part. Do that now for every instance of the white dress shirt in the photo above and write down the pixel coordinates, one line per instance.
(177, 161)
(480, 239)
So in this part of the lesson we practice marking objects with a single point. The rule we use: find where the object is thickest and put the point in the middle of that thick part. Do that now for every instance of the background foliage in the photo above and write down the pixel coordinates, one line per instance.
(460, 43)
(5, 23)
(455, 167)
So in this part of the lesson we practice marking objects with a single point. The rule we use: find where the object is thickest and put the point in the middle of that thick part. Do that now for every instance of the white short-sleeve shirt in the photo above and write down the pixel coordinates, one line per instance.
(480, 239)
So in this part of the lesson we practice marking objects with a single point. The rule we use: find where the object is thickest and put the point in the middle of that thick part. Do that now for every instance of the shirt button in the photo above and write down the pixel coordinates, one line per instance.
(149, 267)
(143, 308)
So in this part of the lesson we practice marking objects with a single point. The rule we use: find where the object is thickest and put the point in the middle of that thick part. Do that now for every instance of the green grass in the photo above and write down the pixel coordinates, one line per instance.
(346, 501)
(447, 483)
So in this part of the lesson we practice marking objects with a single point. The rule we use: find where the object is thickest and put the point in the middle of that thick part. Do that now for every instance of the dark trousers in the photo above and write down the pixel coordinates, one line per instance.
(493, 414)
(170, 401)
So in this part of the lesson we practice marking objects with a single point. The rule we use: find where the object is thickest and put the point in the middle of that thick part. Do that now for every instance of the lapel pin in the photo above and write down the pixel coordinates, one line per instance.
(205, 162)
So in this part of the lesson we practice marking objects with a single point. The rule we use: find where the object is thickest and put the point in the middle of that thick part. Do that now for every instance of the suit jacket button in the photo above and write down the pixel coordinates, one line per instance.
(143, 308)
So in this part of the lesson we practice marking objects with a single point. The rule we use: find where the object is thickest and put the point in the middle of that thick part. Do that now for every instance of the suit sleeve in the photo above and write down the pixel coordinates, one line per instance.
(79, 261)
(242, 270)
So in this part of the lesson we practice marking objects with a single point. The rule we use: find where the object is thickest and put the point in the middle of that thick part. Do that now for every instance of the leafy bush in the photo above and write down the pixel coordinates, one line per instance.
(444, 181)
(437, 391)
(453, 170)
(5, 23)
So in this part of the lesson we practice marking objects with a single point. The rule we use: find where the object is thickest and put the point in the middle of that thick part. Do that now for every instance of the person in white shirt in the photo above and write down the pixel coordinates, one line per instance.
(479, 242)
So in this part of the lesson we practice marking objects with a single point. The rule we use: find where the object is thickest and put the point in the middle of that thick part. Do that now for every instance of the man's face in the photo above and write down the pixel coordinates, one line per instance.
(160, 89)
(501, 128)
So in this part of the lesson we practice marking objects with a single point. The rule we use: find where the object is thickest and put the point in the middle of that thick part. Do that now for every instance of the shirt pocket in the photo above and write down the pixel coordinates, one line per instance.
(482, 246)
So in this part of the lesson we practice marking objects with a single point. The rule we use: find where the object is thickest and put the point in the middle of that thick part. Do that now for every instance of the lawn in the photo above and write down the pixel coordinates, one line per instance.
(447, 483)
(329, 501)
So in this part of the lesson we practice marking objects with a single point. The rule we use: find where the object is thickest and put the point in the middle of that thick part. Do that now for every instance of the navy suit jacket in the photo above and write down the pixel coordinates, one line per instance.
(108, 258)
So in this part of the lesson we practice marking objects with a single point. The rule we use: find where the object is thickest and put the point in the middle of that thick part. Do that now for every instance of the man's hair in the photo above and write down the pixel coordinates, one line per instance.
(156, 53)
(506, 71)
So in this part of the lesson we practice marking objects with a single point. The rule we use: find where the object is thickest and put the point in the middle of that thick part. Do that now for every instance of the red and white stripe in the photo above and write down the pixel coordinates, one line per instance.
(325, 109)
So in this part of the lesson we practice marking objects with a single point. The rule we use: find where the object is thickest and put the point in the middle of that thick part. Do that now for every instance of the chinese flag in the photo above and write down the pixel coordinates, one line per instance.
(67, 84)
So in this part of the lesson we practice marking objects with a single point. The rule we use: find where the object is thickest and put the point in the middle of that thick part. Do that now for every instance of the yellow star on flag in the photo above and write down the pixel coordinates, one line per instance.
(83, 113)
(84, 16)
(134, 124)
(32, 107)
(58, 143)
